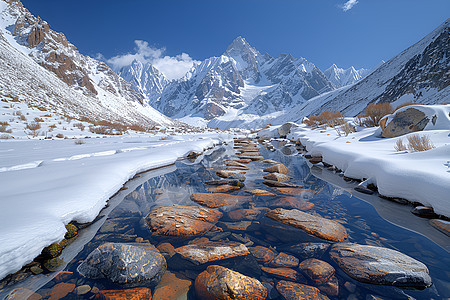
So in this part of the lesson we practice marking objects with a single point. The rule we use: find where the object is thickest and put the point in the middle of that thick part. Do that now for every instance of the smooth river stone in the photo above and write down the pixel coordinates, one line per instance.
(217, 199)
(202, 253)
(318, 271)
(277, 177)
(226, 174)
(262, 254)
(290, 290)
(285, 274)
(279, 168)
(317, 226)
(180, 220)
(258, 192)
(217, 282)
(222, 188)
(294, 191)
(292, 202)
(378, 265)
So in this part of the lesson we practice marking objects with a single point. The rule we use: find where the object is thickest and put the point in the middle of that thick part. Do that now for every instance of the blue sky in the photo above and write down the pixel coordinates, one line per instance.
(319, 30)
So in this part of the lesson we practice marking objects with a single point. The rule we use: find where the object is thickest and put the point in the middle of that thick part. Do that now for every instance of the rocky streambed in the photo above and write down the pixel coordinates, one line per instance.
(249, 222)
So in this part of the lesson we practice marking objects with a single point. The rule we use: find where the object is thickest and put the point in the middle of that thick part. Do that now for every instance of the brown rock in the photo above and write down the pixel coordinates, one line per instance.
(253, 158)
(317, 226)
(250, 153)
(226, 174)
(293, 202)
(63, 276)
(331, 287)
(179, 220)
(234, 182)
(278, 168)
(244, 161)
(140, 293)
(22, 293)
(234, 163)
(404, 122)
(316, 270)
(221, 283)
(172, 287)
(284, 260)
(315, 160)
(285, 274)
(166, 248)
(246, 213)
(290, 290)
(262, 254)
(295, 191)
(217, 199)
(441, 225)
(61, 290)
(237, 226)
(258, 192)
(273, 183)
(236, 169)
(222, 188)
(202, 253)
(277, 177)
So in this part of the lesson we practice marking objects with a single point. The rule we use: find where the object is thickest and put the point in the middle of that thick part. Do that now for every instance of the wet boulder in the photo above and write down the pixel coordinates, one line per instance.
(317, 226)
(262, 254)
(284, 260)
(217, 199)
(180, 220)
(284, 274)
(318, 271)
(217, 282)
(378, 265)
(278, 168)
(404, 122)
(127, 264)
(290, 290)
(277, 177)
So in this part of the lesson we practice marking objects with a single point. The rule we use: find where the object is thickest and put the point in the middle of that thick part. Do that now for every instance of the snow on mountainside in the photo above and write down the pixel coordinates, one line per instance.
(41, 67)
(240, 86)
(420, 74)
(342, 77)
(145, 79)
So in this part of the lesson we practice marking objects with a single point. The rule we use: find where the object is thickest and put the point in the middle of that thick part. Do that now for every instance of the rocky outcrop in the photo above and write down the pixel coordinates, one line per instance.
(377, 265)
(221, 283)
(179, 220)
(126, 264)
(404, 122)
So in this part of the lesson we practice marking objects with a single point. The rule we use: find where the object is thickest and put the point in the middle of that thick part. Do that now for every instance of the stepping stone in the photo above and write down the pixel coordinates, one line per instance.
(262, 254)
(217, 282)
(276, 177)
(269, 161)
(236, 168)
(246, 213)
(316, 270)
(285, 274)
(235, 164)
(202, 253)
(308, 250)
(218, 199)
(253, 158)
(378, 265)
(284, 260)
(226, 174)
(441, 225)
(239, 177)
(256, 153)
(316, 160)
(130, 265)
(180, 220)
(316, 226)
(292, 202)
(233, 182)
(244, 161)
(294, 191)
(273, 183)
(290, 290)
(258, 192)
(222, 188)
(279, 168)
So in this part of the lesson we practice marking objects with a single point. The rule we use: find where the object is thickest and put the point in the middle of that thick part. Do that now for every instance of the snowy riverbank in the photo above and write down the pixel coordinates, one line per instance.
(418, 177)
(49, 183)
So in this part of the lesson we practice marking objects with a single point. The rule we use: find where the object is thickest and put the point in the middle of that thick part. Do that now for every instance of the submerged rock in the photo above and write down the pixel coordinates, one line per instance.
(308, 250)
(202, 253)
(273, 183)
(223, 188)
(318, 271)
(217, 199)
(247, 213)
(290, 290)
(285, 274)
(317, 226)
(284, 260)
(180, 220)
(227, 174)
(172, 286)
(218, 282)
(258, 192)
(262, 254)
(279, 168)
(294, 191)
(126, 264)
(139, 293)
(377, 265)
(292, 202)
(277, 177)
(441, 225)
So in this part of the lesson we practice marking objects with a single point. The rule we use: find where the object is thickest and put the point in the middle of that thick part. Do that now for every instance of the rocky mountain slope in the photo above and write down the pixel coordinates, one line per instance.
(419, 74)
(41, 67)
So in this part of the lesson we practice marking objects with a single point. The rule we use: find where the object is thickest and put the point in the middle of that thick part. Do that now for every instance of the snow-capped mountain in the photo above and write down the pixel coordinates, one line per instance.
(420, 74)
(145, 79)
(63, 80)
(342, 77)
(241, 85)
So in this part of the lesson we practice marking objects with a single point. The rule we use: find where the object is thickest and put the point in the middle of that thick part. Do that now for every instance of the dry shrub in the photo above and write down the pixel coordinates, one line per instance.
(417, 143)
(23, 118)
(34, 127)
(4, 123)
(41, 108)
(52, 126)
(347, 128)
(405, 104)
(79, 126)
(37, 120)
(375, 112)
(163, 138)
(326, 118)
(399, 145)
(47, 116)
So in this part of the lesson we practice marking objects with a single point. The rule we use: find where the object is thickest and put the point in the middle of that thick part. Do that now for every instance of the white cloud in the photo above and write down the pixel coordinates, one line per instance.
(348, 5)
(173, 67)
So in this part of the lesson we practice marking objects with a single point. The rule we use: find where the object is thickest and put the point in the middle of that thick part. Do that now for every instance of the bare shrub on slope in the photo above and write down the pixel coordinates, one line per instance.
(419, 143)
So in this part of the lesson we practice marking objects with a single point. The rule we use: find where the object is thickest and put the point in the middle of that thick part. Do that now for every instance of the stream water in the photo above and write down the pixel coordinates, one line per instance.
(364, 225)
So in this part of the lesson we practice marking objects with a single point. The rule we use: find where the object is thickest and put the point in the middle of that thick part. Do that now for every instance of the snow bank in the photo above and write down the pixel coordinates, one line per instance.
(63, 182)
(421, 176)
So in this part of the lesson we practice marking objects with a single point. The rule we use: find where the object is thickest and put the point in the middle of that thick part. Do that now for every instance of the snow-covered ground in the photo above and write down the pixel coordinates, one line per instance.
(48, 183)
(422, 177)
